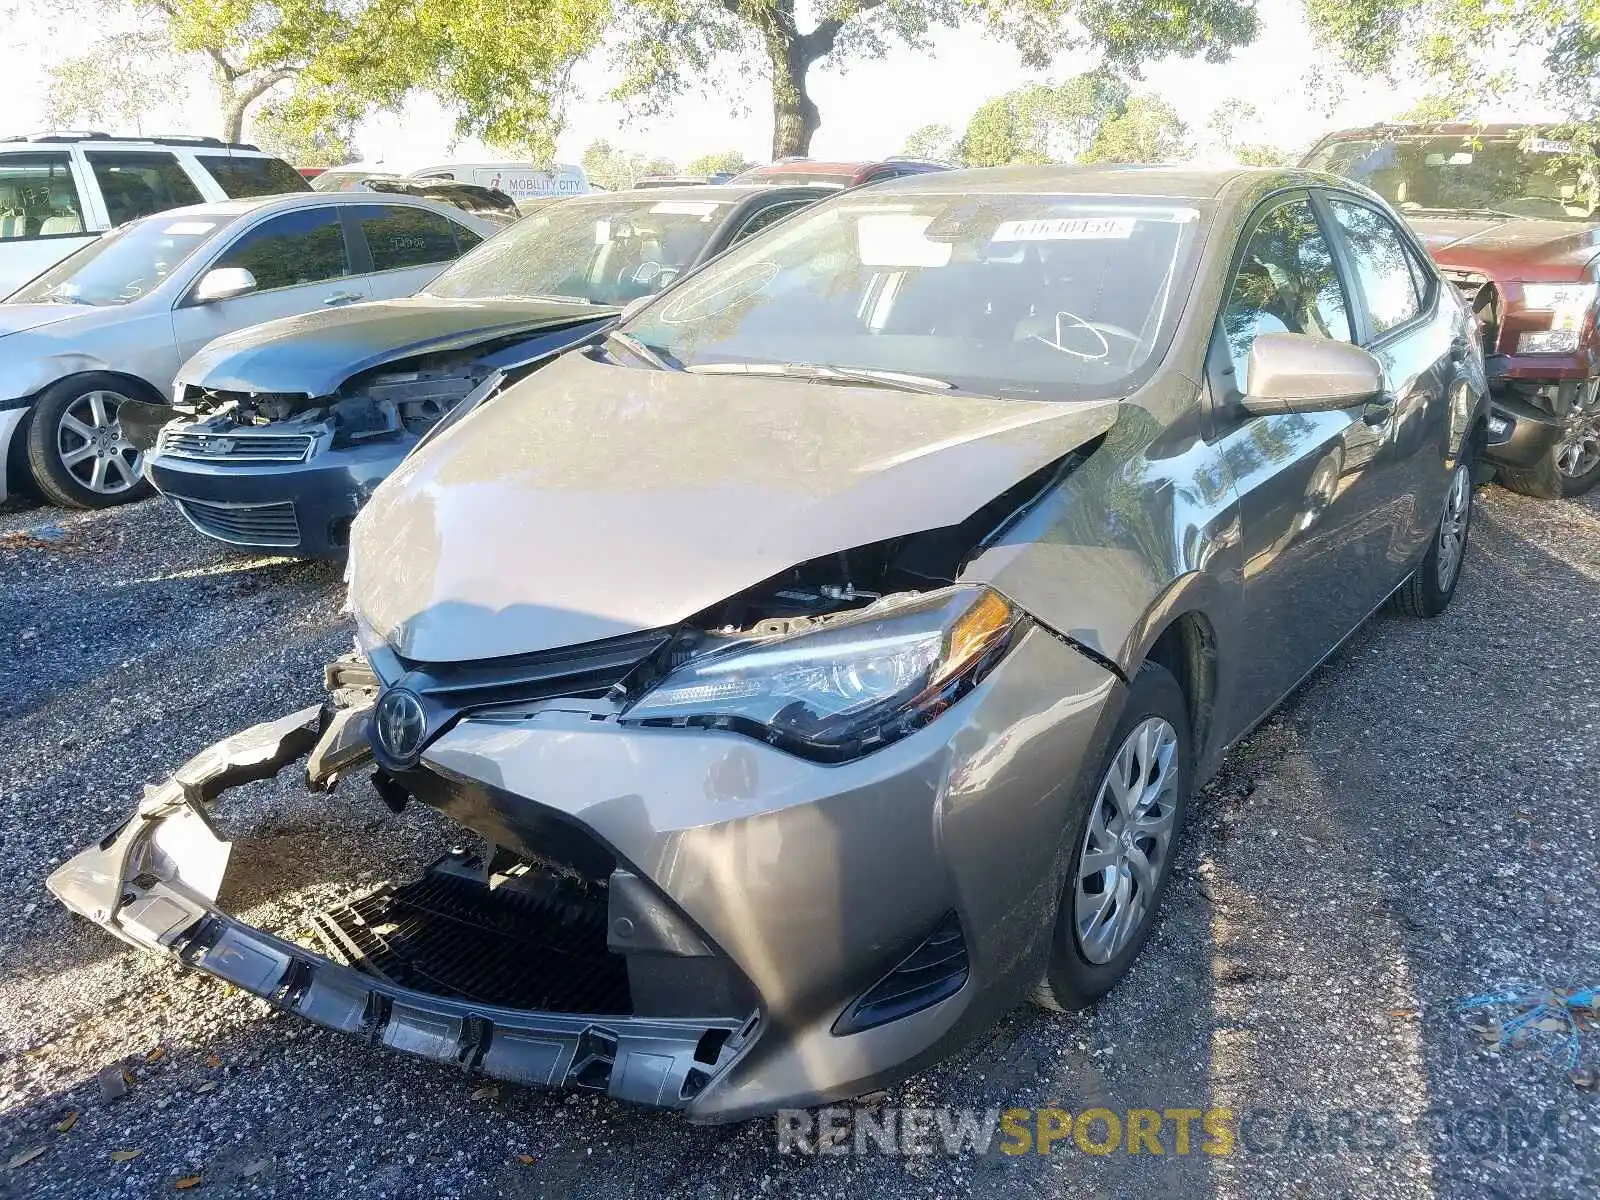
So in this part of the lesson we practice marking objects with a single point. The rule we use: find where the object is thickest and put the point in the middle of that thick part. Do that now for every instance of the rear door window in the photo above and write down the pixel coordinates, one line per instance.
(291, 249)
(136, 183)
(1383, 269)
(400, 237)
(243, 177)
(38, 197)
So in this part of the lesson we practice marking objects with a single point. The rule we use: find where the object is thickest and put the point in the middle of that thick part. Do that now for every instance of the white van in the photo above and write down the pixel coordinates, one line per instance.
(60, 191)
(519, 180)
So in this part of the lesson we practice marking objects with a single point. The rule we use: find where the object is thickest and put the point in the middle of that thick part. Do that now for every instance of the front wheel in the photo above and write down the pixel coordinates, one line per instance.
(1572, 467)
(1123, 842)
(76, 449)
(1432, 585)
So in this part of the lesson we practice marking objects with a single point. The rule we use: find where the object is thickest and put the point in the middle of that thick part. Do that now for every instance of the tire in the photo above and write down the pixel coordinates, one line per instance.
(1570, 469)
(1085, 963)
(76, 451)
(1433, 584)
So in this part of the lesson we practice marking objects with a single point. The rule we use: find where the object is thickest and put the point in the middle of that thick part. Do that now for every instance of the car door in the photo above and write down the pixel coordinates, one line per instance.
(301, 263)
(407, 245)
(1312, 534)
(1409, 331)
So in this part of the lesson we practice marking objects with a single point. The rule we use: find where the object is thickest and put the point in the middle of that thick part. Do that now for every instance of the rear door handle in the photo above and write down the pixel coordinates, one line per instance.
(341, 298)
(1376, 412)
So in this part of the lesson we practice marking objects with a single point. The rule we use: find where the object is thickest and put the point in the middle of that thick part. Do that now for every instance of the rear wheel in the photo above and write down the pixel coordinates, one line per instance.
(1123, 842)
(76, 450)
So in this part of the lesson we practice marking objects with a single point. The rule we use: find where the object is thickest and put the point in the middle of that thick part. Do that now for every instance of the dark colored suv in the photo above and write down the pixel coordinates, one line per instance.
(1509, 212)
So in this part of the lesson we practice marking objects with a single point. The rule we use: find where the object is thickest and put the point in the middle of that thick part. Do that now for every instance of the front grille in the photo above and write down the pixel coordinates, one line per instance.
(244, 524)
(537, 943)
(238, 446)
(570, 672)
(934, 971)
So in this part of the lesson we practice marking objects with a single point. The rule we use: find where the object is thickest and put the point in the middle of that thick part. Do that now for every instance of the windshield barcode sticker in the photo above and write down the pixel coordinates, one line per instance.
(1064, 228)
(188, 228)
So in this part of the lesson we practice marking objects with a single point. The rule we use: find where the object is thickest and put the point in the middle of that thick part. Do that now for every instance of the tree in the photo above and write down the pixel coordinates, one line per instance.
(248, 48)
(1462, 48)
(1147, 130)
(309, 127)
(1040, 124)
(123, 79)
(502, 66)
(670, 43)
(729, 161)
(1234, 130)
(617, 169)
(937, 142)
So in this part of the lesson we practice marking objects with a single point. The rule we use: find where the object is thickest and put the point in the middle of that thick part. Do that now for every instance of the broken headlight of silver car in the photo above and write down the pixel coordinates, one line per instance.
(848, 685)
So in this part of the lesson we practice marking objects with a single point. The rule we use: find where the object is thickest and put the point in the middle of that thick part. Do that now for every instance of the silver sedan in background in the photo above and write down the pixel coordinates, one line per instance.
(116, 320)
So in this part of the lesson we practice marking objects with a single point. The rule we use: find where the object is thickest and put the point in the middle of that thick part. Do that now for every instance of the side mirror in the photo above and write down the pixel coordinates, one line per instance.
(223, 283)
(632, 307)
(1293, 373)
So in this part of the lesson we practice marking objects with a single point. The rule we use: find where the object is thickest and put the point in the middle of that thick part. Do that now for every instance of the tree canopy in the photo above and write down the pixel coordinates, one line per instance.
(1096, 117)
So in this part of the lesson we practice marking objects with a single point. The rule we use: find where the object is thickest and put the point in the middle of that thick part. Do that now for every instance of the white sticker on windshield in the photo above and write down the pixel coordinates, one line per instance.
(602, 231)
(683, 208)
(188, 228)
(1546, 146)
(1065, 229)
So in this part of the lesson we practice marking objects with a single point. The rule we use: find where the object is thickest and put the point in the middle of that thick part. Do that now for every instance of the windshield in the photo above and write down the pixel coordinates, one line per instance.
(125, 264)
(603, 251)
(1507, 174)
(1048, 297)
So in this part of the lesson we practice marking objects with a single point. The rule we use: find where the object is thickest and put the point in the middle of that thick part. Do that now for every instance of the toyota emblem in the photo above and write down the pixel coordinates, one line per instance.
(400, 726)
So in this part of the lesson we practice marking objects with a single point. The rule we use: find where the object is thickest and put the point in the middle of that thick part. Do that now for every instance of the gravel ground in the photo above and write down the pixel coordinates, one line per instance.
(1416, 826)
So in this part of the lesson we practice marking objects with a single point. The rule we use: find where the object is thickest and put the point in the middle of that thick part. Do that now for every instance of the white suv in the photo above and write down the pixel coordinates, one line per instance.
(59, 191)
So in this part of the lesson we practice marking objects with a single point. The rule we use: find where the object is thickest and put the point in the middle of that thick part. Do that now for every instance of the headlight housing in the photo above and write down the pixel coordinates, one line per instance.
(848, 686)
(1556, 297)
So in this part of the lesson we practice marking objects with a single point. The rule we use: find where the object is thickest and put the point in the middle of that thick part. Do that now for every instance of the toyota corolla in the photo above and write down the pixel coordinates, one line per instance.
(826, 660)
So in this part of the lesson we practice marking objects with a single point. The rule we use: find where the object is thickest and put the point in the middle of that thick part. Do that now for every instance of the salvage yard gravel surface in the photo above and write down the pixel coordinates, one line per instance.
(1416, 826)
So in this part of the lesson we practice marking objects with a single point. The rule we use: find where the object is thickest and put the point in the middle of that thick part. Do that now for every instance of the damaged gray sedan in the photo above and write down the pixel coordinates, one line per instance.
(827, 659)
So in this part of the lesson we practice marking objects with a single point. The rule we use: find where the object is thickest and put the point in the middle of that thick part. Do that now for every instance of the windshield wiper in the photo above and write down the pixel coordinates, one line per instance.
(871, 376)
(655, 356)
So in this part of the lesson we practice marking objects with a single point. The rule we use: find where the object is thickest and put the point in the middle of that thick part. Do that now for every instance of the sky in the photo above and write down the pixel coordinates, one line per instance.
(867, 110)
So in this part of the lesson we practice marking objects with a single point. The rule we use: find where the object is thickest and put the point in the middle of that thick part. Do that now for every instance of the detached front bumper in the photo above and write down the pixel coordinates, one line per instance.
(791, 932)
(153, 883)
(300, 508)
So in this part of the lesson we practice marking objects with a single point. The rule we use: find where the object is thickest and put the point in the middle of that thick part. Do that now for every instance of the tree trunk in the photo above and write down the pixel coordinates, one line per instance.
(238, 94)
(794, 116)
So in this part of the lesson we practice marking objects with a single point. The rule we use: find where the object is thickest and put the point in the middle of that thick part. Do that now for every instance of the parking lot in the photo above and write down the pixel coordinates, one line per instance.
(1415, 827)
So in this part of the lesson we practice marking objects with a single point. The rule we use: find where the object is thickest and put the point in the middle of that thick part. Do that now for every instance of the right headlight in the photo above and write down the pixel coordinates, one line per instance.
(849, 685)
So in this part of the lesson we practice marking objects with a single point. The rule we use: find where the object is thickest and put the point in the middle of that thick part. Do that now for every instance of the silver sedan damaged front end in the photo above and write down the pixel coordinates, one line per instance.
(690, 919)
(778, 849)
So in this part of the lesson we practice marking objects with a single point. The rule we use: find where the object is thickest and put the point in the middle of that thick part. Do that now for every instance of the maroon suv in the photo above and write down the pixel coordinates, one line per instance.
(1507, 213)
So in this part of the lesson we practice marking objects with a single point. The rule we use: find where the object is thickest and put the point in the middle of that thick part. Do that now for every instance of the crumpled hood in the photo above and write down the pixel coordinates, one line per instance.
(19, 318)
(314, 353)
(593, 500)
(1515, 248)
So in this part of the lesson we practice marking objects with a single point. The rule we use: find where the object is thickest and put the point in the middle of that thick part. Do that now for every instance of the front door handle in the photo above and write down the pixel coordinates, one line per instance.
(1377, 412)
(341, 298)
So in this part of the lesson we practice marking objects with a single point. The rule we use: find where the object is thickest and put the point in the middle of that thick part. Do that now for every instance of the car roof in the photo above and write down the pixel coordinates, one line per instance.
(227, 210)
(109, 141)
(1187, 183)
(1440, 129)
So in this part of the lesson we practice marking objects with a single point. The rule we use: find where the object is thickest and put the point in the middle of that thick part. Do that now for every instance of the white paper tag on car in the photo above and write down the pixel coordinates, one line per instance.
(188, 228)
(1059, 229)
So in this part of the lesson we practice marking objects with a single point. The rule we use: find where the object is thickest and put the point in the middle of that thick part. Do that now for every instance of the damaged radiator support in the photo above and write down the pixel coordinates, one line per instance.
(451, 934)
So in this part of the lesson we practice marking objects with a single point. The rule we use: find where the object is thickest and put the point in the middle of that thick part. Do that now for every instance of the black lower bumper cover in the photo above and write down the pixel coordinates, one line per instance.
(152, 883)
(1520, 433)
